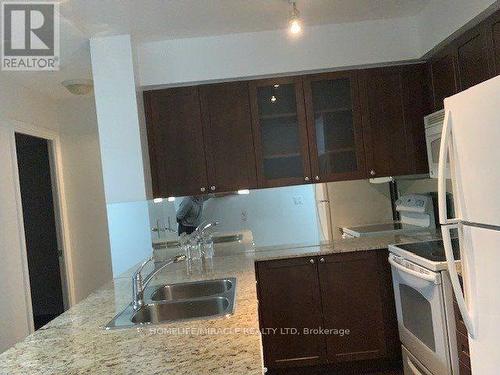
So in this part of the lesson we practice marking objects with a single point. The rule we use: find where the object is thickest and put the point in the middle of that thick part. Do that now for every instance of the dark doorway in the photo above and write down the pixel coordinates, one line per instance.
(40, 228)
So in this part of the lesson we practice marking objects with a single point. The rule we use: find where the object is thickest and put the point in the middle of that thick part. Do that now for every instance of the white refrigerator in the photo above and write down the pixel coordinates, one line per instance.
(471, 142)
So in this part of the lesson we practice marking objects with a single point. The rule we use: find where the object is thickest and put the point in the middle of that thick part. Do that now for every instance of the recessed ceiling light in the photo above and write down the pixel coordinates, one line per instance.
(294, 22)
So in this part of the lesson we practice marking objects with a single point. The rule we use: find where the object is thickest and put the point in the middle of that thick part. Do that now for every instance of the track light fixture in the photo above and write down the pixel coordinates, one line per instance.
(294, 22)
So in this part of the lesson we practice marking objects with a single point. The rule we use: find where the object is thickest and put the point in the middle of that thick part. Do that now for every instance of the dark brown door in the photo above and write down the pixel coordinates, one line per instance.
(280, 132)
(444, 78)
(175, 138)
(334, 126)
(227, 129)
(35, 183)
(289, 298)
(351, 298)
(393, 101)
(472, 58)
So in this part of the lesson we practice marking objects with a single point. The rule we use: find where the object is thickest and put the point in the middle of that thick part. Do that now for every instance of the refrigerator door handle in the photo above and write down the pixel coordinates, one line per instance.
(457, 289)
(443, 157)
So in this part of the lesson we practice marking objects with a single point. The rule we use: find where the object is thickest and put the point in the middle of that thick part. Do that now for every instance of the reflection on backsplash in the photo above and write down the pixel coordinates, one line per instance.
(273, 217)
(296, 215)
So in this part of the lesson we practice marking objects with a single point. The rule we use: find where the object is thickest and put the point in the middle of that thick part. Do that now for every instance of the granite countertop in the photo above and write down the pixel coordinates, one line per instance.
(75, 343)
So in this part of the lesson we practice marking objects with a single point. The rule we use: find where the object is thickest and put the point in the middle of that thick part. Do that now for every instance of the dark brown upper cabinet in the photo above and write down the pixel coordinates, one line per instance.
(176, 145)
(472, 58)
(334, 126)
(200, 139)
(289, 298)
(492, 30)
(393, 104)
(227, 130)
(444, 78)
(280, 133)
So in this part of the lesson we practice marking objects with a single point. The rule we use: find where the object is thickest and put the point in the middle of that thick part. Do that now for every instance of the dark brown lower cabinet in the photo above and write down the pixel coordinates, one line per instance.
(352, 301)
(338, 313)
(289, 303)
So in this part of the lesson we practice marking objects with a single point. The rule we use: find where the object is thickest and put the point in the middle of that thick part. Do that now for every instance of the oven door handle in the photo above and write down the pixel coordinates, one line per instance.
(432, 278)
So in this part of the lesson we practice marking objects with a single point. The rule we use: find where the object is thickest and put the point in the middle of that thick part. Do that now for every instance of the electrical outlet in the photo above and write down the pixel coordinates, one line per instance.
(298, 200)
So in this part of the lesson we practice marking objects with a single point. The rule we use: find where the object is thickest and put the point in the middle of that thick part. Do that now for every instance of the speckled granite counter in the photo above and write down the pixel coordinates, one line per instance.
(75, 343)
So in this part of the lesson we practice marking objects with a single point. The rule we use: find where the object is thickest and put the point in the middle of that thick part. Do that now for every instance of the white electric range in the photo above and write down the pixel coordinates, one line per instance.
(424, 306)
(416, 212)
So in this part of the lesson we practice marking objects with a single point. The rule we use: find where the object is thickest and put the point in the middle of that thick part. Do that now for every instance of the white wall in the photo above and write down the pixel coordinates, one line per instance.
(129, 234)
(74, 120)
(121, 143)
(13, 325)
(272, 52)
(440, 19)
(16, 103)
(84, 187)
(118, 119)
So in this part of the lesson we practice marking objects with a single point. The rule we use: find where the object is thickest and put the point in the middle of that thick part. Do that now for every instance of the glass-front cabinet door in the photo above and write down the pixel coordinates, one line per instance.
(334, 126)
(280, 131)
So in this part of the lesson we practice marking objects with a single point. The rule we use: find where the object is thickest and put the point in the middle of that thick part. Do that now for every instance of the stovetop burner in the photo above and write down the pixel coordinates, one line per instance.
(432, 250)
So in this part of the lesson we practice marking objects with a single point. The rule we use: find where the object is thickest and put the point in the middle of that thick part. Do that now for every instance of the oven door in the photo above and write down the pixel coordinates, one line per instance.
(421, 314)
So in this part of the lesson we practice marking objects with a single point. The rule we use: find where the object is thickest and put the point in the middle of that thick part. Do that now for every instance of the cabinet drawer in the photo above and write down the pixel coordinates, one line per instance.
(463, 349)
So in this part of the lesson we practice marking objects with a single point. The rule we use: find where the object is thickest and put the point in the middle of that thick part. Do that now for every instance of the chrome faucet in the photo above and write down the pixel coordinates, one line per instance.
(202, 228)
(138, 284)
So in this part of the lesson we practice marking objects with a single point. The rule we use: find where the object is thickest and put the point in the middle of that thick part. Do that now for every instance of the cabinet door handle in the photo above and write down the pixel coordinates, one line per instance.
(372, 172)
(311, 261)
(212, 188)
(202, 189)
(306, 179)
(322, 260)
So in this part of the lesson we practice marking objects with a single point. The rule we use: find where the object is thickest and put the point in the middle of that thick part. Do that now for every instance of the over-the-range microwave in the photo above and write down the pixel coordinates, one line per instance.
(433, 128)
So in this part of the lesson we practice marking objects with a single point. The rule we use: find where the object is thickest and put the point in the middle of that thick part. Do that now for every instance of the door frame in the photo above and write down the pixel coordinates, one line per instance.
(60, 211)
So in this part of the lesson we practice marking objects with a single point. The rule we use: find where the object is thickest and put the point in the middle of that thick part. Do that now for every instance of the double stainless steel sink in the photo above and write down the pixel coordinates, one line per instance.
(176, 302)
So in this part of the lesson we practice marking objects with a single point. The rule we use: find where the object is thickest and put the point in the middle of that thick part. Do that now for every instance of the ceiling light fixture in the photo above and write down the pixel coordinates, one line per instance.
(294, 22)
(78, 86)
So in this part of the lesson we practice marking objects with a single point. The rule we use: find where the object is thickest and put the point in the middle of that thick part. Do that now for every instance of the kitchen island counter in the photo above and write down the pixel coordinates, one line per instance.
(76, 343)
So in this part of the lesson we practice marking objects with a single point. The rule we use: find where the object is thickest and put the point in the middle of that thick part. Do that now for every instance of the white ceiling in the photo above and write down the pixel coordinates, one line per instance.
(172, 19)
(148, 20)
